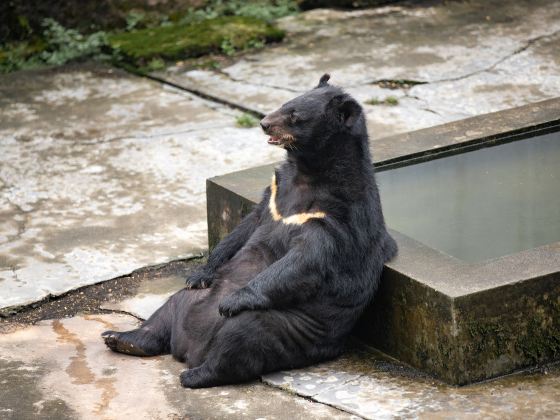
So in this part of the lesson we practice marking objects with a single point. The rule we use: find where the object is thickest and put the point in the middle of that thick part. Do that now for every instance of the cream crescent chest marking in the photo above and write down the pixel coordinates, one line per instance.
(295, 219)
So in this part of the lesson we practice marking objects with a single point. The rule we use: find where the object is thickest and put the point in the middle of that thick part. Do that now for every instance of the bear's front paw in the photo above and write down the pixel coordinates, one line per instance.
(231, 305)
(200, 279)
(239, 301)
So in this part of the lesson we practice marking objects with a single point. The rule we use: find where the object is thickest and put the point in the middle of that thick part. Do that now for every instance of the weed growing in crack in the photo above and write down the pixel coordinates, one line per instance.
(246, 121)
(391, 100)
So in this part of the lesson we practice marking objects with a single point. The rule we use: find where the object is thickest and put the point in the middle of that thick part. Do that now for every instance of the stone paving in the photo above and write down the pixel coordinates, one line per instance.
(456, 59)
(61, 369)
(369, 386)
(102, 172)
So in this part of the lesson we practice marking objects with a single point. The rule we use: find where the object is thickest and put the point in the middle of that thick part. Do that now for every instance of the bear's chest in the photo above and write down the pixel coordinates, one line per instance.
(293, 204)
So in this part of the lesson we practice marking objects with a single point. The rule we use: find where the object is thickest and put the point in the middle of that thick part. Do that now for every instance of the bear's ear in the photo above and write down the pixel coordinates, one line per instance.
(349, 111)
(323, 81)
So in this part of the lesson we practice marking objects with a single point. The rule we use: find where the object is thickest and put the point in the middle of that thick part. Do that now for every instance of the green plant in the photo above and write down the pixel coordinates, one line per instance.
(19, 55)
(227, 47)
(373, 101)
(255, 44)
(225, 34)
(391, 100)
(267, 10)
(260, 9)
(64, 44)
(57, 46)
(133, 19)
(246, 121)
(155, 64)
(148, 39)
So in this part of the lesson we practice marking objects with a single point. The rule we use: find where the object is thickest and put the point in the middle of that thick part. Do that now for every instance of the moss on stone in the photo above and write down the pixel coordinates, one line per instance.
(524, 337)
(487, 335)
(195, 39)
(541, 342)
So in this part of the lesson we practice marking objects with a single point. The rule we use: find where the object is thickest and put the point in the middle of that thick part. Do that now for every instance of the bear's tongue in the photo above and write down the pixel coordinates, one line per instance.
(273, 140)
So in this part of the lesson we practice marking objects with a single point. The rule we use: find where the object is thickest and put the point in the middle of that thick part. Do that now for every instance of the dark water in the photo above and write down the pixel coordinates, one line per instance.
(481, 204)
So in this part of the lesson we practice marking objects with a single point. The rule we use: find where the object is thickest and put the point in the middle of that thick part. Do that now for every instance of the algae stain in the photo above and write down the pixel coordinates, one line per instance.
(108, 392)
(106, 324)
(79, 370)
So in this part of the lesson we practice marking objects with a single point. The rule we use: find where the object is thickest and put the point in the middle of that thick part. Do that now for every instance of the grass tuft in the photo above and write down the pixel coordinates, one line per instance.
(246, 121)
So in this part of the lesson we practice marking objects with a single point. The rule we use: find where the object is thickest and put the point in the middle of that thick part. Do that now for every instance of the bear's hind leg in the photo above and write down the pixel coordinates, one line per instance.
(237, 354)
(151, 339)
(199, 377)
(223, 372)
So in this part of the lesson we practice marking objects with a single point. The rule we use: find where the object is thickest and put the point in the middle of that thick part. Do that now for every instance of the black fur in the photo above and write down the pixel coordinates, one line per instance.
(275, 296)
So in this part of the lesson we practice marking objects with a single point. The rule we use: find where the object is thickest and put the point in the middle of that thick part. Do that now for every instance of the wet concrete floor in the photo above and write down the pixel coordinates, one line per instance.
(440, 61)
(61, 369)
(102, 172)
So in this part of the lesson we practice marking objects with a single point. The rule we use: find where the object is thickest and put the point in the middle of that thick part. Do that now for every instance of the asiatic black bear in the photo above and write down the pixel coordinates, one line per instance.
(285, 288)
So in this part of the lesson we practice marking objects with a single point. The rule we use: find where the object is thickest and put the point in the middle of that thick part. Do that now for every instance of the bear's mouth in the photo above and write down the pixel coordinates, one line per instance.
(280, 140)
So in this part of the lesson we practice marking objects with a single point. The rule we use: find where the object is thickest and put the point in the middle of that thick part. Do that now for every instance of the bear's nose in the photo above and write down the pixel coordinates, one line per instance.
(265, 124)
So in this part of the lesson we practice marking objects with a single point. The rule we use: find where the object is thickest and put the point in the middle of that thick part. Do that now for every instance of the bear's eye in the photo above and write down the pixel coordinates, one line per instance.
(294, 117)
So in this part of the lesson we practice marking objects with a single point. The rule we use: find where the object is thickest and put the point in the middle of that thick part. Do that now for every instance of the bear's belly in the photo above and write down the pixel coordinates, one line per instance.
(197, 317)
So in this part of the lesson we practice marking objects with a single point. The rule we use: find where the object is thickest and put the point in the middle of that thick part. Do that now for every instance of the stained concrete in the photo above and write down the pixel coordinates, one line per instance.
(102, 173)
(61, 369)
(151, 294)
(383, 389)
(461, 59)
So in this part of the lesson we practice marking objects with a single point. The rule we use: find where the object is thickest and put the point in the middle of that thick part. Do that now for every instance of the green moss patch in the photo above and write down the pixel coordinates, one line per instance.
(195, 39)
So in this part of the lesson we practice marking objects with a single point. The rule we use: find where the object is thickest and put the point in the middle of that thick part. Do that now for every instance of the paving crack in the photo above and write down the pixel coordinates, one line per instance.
(14, 271)
(519, 50)
(203, 95)
(312, 399)
(21, 224)
(151, 136)
(118, 311)
(233, 79)
(431, 111)
(392, 84)
(406, 84)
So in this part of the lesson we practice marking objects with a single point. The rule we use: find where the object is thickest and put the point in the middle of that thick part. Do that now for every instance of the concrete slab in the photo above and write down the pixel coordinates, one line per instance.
(151, 294)
(102, 173)
(470, 57)
(62, 369)
(381, 389)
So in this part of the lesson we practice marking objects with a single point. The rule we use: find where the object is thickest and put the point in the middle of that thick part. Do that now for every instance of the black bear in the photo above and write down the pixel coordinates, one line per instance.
(285, 288)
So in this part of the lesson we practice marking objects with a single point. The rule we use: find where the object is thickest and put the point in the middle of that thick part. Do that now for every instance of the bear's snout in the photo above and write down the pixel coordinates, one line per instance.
(265, 125)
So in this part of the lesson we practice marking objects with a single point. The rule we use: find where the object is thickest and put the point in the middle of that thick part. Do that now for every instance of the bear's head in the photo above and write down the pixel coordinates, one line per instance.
(315, 118)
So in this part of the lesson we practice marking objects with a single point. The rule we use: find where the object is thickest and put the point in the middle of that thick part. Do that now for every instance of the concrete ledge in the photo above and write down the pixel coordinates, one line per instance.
(462, 322)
